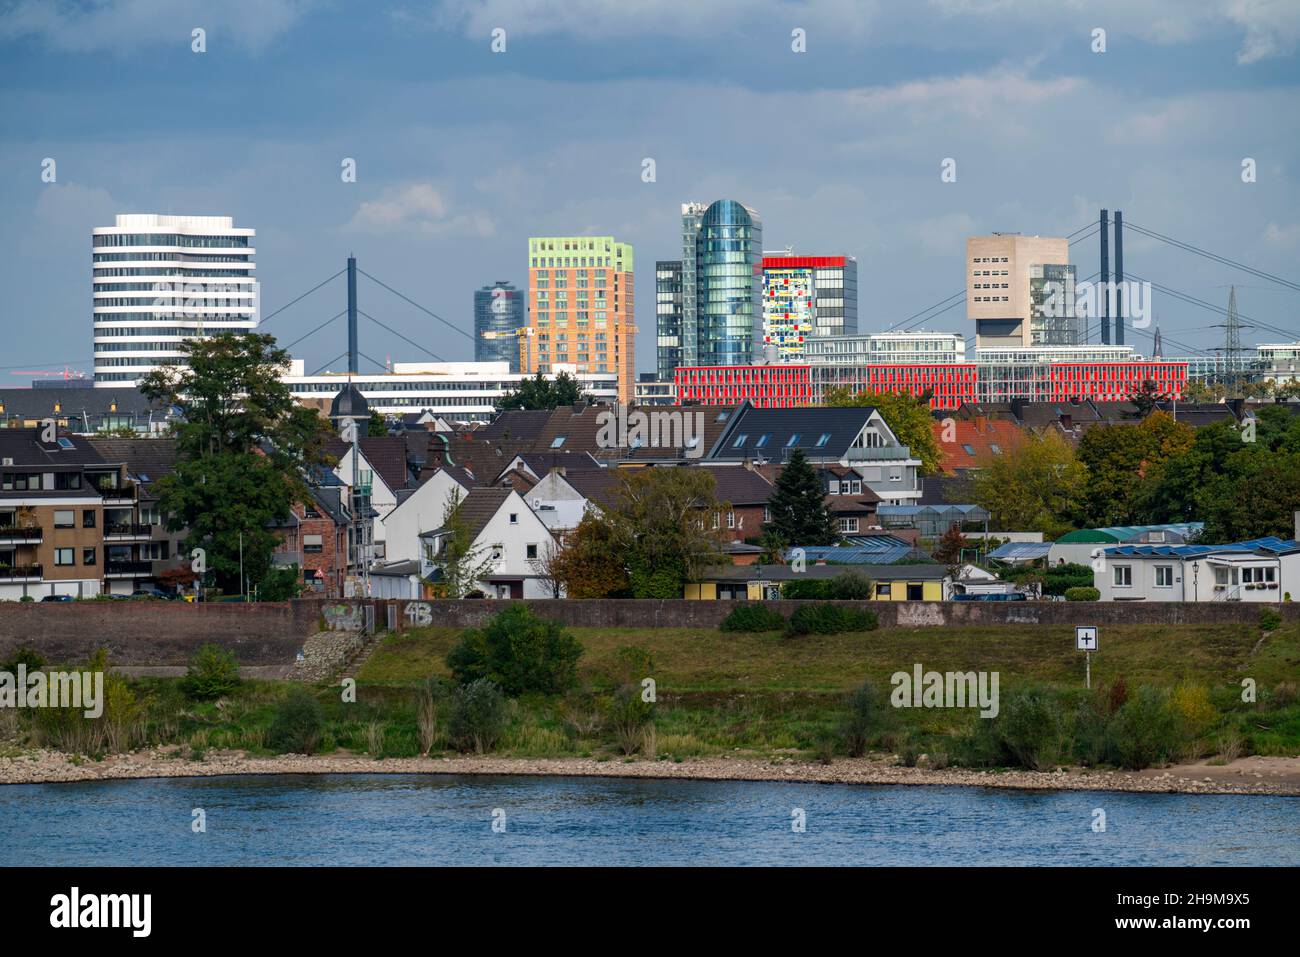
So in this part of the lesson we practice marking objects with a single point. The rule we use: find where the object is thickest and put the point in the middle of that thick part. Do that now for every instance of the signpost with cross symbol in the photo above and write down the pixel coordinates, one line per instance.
(1085, 640)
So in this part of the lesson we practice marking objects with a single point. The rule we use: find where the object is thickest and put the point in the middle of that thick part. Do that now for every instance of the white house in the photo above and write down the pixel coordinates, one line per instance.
(383, 497)
(1261, 570)
(506, 535)
(421, 510)
(564, 495)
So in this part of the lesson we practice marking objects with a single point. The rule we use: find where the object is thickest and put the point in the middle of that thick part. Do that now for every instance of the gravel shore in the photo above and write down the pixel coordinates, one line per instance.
(1254, 775)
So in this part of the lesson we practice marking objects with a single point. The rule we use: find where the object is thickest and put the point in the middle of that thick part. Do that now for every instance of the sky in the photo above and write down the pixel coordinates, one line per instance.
(462, 153)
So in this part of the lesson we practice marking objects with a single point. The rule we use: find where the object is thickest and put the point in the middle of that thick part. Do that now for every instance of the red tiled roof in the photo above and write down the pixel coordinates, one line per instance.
(978, 435)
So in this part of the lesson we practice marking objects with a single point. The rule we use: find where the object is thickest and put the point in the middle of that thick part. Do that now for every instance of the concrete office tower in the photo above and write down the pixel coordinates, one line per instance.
(668, 318)
(160, 280)
(1020, 291)
(580, 309)
(806, 297)
(498, 316)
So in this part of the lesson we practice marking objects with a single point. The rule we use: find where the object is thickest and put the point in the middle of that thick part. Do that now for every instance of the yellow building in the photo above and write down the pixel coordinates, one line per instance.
(760, 582)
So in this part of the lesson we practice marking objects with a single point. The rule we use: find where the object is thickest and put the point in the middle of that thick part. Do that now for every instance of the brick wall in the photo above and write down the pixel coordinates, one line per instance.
(167, 633)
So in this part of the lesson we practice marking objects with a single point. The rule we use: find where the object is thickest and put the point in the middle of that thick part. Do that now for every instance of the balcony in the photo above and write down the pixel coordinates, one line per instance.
(20, 573)
(21, 535)
(127, 531)
(128, 569)
(123, 494)
(884, 453)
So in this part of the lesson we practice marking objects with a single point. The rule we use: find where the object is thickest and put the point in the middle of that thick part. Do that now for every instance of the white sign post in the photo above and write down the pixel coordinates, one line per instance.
(1085, 640)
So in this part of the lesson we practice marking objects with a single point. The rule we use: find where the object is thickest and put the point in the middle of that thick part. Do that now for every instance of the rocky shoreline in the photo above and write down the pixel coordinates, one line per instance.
(1255, 775)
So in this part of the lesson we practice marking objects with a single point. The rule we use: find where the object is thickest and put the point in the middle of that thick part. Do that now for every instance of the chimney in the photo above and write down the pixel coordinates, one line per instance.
(981, 422)
(1297, 526)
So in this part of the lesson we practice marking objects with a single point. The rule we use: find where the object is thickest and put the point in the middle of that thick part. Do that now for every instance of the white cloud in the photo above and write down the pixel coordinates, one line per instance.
(1269, 27)
(418, 207)
(128, 26)
(1276, 235)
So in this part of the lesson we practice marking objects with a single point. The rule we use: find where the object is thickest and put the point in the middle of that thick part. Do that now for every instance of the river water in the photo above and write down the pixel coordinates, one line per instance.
(383, 819)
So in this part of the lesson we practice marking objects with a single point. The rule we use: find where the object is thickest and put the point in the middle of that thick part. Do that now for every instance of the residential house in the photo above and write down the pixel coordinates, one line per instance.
(1260, 570)
(505, 533)
(70, 521)
(83, 410)
(852, 438)
(422, 509)
(317, 537)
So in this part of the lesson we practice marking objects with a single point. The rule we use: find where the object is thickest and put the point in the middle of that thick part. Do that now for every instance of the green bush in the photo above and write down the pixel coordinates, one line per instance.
(213, 672)
(519, 652)
(864, 717)
(1032, 729)
(752, 616)
(296, 725)
(24, 655)
(1082, 593)
(850, 586)
(1269, 620)
(1145, 731)
(478, 716)
(829, 620)
(629, 716)
(807, 588)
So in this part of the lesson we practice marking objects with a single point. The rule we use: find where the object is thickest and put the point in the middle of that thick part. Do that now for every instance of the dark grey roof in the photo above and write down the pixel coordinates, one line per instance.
(146, 460)
(738, 485)
(25, 447)
(349, 404)
(786, 429)
(72, 402)
(478, 507)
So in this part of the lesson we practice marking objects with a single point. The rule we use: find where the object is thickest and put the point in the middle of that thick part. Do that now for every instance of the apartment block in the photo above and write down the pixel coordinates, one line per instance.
(580, 309)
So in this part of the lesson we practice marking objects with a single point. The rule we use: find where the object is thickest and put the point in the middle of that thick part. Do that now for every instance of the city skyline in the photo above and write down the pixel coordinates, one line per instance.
(871, 189)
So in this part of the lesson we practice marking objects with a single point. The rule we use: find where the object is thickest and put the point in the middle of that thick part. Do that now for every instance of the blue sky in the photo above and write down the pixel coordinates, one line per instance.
(463, 153)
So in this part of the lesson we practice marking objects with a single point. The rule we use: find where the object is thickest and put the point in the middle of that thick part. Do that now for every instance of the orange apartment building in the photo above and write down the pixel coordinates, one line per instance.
(580, 309)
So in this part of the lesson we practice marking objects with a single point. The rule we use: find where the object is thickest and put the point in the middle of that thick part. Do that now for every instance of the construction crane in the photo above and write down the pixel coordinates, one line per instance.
(68, 374)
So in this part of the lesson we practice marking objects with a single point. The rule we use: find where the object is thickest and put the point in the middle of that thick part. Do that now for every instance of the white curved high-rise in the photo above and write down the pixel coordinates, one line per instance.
(160, 280)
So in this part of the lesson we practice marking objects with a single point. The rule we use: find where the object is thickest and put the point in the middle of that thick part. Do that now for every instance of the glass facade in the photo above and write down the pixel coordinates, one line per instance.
(498, 313)
(728, 284)
(668, 318)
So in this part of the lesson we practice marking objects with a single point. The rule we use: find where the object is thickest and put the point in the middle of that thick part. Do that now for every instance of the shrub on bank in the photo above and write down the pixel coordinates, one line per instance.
(213, 672)
(1082, 593)
(297, 724)
(752, 617)
(1269, 620)
(519, 652)
(1144, 731)
(630, 718)
(478, 716)
(829, 620)
(865, 716)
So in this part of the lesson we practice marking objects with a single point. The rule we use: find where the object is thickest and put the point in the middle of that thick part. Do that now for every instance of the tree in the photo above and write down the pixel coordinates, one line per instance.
(798, 507)
(907, 415)
(949, 548)
(1120, 459)
(1146, 397)
(1036, 485)
(664, 525)
(542, 393)
(460, 563)
(520, 652)
(377, 425)
(242, 447)
(586, 563)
